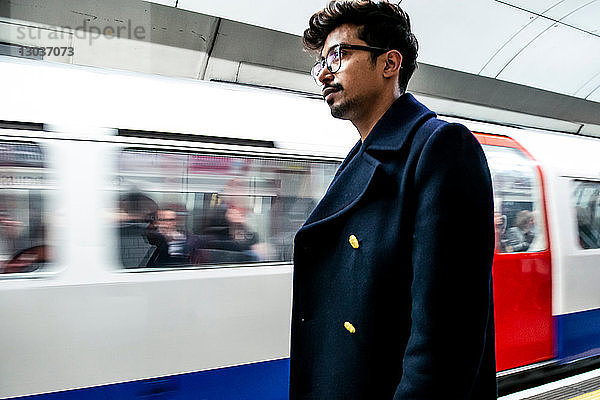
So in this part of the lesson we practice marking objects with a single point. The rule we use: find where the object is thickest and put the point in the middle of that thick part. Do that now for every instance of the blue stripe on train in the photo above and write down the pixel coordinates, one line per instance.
(266, 380)
(577, 334)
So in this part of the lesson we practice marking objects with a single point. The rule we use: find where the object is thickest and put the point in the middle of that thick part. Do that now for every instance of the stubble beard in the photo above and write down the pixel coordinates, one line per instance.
(344, 110)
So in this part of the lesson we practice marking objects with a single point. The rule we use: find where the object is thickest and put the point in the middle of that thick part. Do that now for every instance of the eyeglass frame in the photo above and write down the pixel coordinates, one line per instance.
(323, 63)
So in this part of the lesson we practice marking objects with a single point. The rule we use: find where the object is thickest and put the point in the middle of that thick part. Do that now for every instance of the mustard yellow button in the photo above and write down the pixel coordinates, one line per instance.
(353, 241)
(349, 327)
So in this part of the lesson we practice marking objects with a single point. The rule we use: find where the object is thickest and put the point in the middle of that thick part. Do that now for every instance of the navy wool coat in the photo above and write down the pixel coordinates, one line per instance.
(392, 271)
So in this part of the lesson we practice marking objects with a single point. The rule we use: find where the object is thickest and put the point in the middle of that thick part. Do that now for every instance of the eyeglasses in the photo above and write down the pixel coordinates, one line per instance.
(333, 59)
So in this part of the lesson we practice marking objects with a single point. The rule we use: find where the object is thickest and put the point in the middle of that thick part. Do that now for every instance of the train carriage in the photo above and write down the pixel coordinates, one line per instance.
(146, 226)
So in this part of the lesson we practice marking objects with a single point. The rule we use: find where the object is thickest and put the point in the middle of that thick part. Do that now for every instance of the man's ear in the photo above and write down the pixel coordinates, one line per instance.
(393, 62)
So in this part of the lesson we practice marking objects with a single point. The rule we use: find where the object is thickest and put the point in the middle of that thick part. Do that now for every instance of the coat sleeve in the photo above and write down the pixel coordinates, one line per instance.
(453, 245)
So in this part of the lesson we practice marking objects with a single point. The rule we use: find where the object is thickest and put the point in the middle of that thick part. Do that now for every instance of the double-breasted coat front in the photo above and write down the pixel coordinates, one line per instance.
(392, 289)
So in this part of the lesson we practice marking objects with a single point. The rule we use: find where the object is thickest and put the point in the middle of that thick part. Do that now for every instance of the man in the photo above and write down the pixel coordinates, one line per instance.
(520, 236)
(174, 247)
(384, 305)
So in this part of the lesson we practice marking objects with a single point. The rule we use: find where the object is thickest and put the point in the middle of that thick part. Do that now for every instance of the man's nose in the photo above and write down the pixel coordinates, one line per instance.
(325, 76)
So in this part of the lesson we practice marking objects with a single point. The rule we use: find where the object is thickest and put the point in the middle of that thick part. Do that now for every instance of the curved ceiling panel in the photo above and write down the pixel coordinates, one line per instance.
(565, 9)
(171, 3)
(586, 90)
(586, 18)
(561, 60)
(511, 49)
(284, 16)
(449, 36)
(595, 96)
(537, 6)
(551, 9)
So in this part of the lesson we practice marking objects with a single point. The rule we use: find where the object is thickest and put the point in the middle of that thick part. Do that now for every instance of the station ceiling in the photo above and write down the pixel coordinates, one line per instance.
(533, 63)
(552, 45)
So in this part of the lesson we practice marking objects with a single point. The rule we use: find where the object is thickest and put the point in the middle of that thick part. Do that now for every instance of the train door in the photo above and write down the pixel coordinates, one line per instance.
(577, 308)
(521, 271)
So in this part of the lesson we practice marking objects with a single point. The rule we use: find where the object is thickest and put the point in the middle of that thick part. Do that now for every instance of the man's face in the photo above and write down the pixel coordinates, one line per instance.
(531, 223)
(166, 220)
(351, 90)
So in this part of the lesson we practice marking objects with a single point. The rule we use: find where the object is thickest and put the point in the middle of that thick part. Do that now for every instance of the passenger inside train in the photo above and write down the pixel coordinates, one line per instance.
(587, 204)
(181, 247)
(520, 236)
(23, 192)
(228, 237)
(156, 237)
(139, 247)
(180, 210)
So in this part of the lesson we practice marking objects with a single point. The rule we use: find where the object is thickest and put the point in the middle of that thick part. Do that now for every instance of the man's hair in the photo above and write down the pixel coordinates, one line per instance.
(523, 218)
(380, 23)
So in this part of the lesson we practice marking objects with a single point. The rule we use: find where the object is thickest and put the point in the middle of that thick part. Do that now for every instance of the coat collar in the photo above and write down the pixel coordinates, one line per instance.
(358, 168)
(396, 125)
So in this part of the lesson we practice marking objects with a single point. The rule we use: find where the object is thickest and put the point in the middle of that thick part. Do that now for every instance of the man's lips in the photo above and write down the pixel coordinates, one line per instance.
(329, 90)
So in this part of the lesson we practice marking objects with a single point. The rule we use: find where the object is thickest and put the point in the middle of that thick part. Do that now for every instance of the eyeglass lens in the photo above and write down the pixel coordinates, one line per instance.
(332, 61)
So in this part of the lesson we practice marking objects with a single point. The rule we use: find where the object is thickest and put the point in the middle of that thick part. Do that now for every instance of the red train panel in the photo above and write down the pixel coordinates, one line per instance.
(522, 292)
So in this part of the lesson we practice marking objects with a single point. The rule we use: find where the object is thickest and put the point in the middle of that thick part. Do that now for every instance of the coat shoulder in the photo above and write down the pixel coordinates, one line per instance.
(436, 129)
(447, 137)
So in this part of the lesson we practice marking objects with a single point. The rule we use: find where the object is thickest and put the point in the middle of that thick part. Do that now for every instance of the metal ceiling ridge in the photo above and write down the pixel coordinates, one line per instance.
(548, 18)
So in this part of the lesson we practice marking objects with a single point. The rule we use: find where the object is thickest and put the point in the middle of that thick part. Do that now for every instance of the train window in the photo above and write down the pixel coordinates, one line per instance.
(586, 199)
(518, 206)
(194, 209)
(24, 184)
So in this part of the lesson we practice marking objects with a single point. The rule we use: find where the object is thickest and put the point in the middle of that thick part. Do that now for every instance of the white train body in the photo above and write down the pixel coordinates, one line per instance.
(87, 322)
(84, 324)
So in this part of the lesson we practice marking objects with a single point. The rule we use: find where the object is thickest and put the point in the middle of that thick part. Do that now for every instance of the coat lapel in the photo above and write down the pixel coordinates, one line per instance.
(356, 172)
(345, 190)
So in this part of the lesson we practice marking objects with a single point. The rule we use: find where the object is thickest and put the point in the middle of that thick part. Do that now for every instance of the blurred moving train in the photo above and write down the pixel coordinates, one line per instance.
(146, 229)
